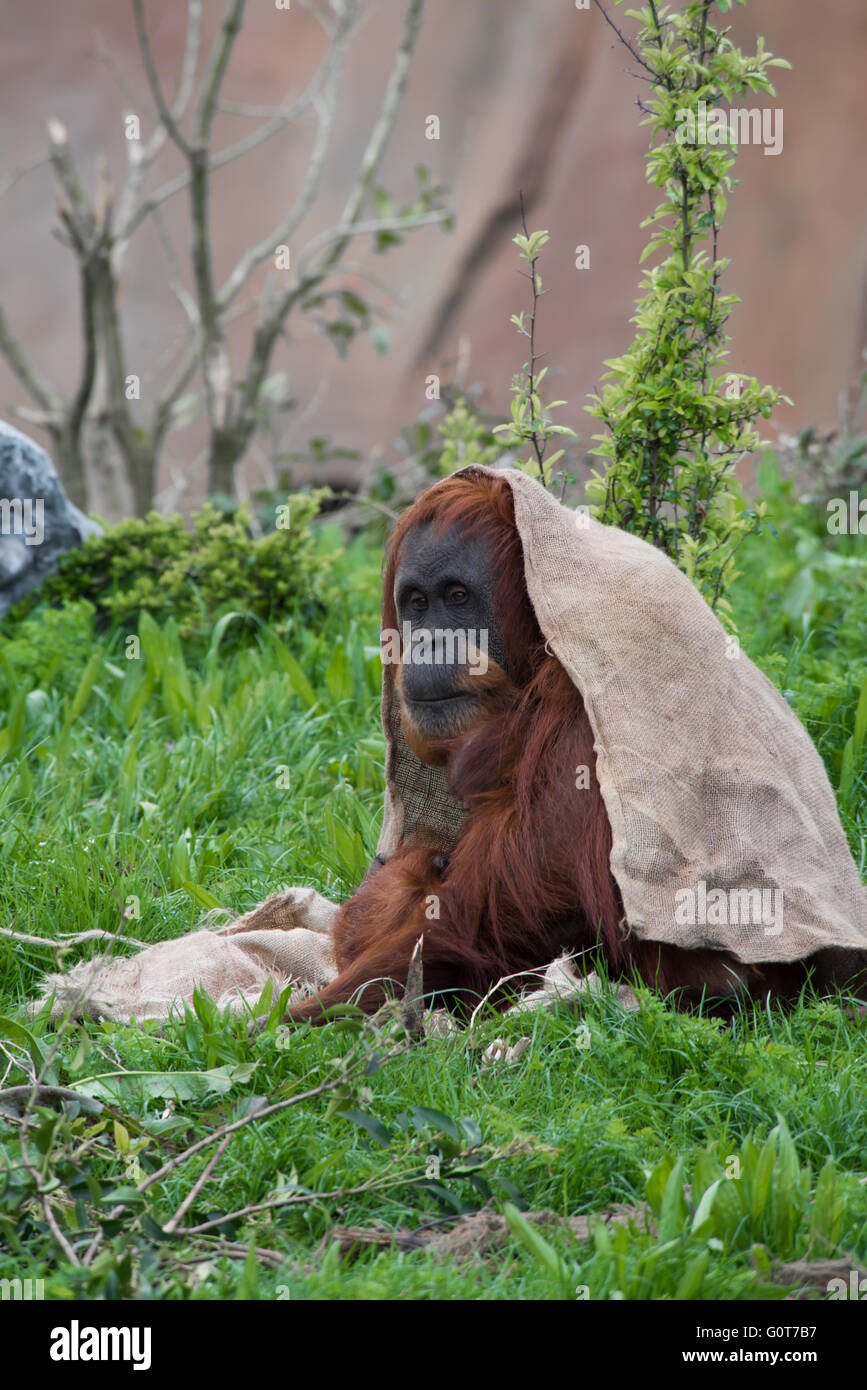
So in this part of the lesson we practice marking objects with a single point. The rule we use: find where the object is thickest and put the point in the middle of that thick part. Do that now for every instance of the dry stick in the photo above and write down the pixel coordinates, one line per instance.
(173, 1222)
(93, 1247)
(70, 938)
(37, 1084)
(538, 971)
(225, 1132)
(237, 1248)
(58, 1234)
(17, 1058)
(35, 1177)
(299, 1198)
(294, 1199)
(261, 1113)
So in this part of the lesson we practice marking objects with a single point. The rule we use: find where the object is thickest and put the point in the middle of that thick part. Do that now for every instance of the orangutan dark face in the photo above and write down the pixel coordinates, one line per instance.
(451, 653)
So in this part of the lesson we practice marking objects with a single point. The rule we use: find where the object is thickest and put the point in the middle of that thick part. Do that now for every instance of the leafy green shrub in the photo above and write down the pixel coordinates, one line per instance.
(467, 440)
(677, 423)
(155, 565)
(45, 649)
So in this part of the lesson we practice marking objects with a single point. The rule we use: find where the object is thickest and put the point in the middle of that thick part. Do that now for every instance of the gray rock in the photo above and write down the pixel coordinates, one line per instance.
(38, 523)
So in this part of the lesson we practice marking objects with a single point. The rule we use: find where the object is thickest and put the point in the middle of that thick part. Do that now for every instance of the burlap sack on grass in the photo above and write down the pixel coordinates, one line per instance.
(713, 788)
(285, 939)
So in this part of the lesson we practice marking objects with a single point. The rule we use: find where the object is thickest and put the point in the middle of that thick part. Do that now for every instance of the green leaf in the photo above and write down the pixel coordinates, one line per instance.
(861, 719)
(656, 1183)
(705, 1206)
(201, 896)
(298, 681)
(673, 1212)
(761, 1183)
(692, 1277)
(155, 1085)
(374, 1127)
(535, 1243)
(85, 686)
(423, 1116)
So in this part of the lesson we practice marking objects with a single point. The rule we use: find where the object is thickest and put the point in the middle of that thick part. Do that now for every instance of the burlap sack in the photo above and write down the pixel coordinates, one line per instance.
(285, 939)
(713, 788)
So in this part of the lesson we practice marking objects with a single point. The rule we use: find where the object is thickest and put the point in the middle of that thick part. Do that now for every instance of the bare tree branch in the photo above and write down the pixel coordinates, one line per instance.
(166, 117)
(339, 237)
(174, 1221)
(215, 364)
(154, 200)
(332, 69)
(99, 241)
(141, 158)
(258, 113)
(28, 374)
(344, 233)
(176, 285)
(20, 173)
(216, 71)
(181, 378)
(64, 168)
(623, 39)
(372, 157)
(280, 119)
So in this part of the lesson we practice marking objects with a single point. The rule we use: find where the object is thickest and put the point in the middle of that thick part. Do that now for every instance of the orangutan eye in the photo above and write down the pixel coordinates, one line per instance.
(457, 594)
(417, 601)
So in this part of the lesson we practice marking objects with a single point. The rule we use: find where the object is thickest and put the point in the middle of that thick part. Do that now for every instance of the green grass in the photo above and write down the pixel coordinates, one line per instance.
(155, 786)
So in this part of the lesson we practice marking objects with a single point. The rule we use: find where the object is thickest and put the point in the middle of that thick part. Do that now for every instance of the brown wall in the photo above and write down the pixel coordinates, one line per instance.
(529, 95)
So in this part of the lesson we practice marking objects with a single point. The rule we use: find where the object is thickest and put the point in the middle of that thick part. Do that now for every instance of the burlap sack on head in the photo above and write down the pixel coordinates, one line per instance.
(713, 788)
(285, 939)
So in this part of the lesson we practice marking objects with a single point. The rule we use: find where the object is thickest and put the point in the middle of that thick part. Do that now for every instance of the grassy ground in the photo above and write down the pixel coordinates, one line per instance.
(154, 786)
